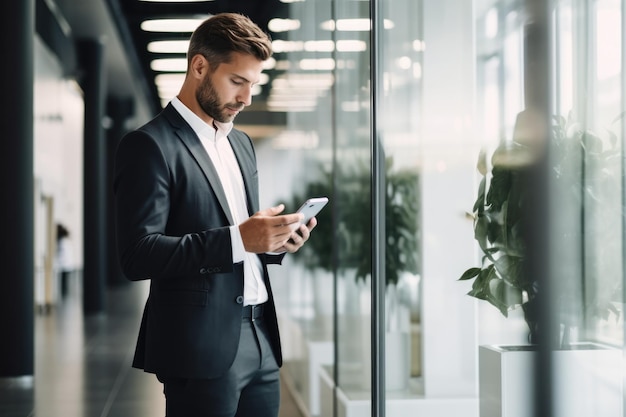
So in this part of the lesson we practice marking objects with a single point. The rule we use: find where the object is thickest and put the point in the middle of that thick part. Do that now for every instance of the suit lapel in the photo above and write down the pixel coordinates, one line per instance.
(245, 157)
(191, 141)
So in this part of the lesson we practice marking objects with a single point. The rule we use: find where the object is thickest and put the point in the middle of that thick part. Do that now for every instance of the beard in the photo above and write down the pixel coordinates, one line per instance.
(210, 103)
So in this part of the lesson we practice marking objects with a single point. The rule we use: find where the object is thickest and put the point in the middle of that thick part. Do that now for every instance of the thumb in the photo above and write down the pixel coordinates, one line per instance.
(272, 211)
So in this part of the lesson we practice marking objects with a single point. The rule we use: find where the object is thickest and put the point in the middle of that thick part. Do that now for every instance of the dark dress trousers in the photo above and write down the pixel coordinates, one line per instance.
(172, 222)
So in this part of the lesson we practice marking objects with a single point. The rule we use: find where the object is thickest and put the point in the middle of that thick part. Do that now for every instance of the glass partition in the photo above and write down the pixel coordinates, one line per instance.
(305, 92)
(555, 138)
(437, 112)
(353, 171)
(399, 119)
(588, 144)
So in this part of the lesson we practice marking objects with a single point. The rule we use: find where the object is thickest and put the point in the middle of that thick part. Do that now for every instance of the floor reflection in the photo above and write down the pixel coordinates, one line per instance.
(83, 363)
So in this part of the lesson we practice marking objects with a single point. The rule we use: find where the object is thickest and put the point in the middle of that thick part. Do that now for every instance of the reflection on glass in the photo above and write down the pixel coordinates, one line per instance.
(585, 219)
(434, 118)
(401, 57)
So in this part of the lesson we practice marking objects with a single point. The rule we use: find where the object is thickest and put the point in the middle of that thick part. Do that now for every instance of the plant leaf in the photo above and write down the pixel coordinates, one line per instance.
(470, 273)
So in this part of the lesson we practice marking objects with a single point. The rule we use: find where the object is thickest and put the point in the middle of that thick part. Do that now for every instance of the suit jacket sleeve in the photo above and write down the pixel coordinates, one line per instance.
(168, 221)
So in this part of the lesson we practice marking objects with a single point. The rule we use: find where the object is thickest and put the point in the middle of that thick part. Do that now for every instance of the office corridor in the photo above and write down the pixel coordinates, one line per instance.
(82, 364)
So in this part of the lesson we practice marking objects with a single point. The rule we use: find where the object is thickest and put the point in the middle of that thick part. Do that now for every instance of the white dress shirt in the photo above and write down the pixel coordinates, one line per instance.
(215, 142)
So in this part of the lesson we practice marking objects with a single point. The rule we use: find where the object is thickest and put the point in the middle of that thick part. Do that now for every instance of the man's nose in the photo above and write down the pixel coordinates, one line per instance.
(245, 96)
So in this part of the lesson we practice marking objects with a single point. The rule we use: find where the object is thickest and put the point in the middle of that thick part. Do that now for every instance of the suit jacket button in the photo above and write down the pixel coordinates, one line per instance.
(239, 299)
(203, 271)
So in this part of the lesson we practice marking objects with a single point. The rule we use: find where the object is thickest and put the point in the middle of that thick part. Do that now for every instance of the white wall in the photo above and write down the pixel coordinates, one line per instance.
(58, 146)
(449, 152)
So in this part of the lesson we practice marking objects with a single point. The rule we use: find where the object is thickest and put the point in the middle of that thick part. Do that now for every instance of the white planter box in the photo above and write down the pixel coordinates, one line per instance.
(587, 381)
(409, 404)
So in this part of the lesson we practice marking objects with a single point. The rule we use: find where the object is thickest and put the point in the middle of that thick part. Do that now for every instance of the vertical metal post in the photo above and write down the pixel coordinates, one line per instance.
(378, 219)
(623, 157)
(335, 220)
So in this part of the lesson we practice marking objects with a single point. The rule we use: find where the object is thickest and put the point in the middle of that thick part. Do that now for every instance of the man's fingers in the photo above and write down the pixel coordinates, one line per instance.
(277, 220)
(268, 230)
(272, 211)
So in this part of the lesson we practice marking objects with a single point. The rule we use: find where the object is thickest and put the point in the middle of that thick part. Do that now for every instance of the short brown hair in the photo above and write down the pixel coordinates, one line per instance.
(222, 34)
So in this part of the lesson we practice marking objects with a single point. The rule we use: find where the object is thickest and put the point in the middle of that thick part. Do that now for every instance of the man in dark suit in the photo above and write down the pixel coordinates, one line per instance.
(188, 219)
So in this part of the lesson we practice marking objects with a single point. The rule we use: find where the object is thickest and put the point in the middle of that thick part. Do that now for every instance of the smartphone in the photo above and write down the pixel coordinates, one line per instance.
(310, 208)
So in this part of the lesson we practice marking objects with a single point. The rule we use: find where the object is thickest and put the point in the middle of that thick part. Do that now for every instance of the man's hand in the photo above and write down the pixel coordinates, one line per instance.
(268, 231)
(299, 237)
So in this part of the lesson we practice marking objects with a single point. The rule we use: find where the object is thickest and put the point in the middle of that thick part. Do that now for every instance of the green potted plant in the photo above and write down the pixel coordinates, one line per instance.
(505, 371)
(345, 236)
(498, 219)
(353, 234)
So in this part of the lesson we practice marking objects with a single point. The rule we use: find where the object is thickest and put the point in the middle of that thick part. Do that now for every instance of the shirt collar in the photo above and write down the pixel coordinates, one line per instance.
(198, 125)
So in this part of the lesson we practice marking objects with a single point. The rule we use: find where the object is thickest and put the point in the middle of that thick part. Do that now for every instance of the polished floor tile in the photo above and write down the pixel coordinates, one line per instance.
(82, 363)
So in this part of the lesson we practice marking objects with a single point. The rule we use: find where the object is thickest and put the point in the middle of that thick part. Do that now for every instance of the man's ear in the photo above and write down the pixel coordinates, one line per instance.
(199, 66)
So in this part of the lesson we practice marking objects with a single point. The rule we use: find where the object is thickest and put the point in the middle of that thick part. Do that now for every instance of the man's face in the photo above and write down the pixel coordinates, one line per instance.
(226, 91)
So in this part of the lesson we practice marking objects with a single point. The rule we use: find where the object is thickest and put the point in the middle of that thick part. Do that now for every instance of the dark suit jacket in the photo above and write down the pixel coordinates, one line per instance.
(172, 228)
